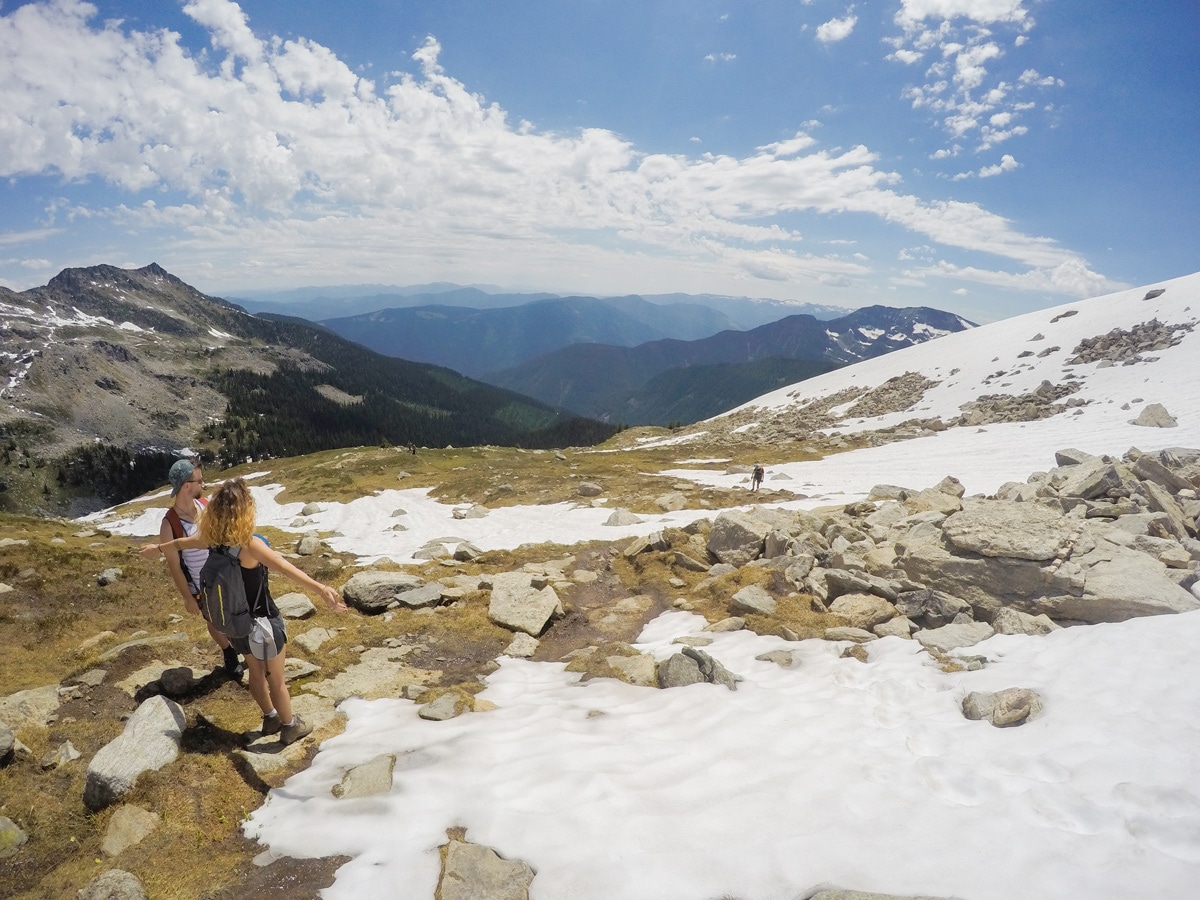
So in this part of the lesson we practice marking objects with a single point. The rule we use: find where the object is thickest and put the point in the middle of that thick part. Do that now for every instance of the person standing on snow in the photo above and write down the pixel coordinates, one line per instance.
(756, 477)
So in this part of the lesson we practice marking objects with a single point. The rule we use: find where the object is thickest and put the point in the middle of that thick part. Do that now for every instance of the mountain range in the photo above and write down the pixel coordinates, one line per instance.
(110, 371)
(319, 303)
(672, 380)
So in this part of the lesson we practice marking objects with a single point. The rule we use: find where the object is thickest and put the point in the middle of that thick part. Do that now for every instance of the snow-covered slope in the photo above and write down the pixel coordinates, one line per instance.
(1012, 358)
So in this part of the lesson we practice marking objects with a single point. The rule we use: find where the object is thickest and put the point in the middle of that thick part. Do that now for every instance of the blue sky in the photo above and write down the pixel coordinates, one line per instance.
(983, 156)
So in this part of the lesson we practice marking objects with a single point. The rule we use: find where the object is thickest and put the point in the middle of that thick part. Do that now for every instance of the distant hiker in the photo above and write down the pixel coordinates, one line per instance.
(226, 527)
(187, 483)
(756, 477)
(412, 448)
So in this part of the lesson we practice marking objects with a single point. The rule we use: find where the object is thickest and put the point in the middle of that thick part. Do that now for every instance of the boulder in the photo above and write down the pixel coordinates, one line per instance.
(1004, 709)
(373, 591)
(517, 605)
(863, 611)
(310, 545)
(115, 884)
(1012, 621)
(752, 599)
(848, 633)
(448, 706)
(671, 502)
(295, 606)
(371, 778)
(589, 489)
(1005, 528)
(954, 635)
(901, 627)
(522, 646)
(1155, 415)
(149, 742)
(472, 872)
(32, 707)
(1088, 480)
(692, 666)
(737, 537)
(621, 517)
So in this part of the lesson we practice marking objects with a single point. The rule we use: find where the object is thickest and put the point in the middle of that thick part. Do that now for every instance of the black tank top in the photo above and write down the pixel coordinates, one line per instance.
(258, 591)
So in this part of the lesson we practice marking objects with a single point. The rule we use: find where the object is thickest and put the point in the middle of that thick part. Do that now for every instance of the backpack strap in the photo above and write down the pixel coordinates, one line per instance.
(176, 523)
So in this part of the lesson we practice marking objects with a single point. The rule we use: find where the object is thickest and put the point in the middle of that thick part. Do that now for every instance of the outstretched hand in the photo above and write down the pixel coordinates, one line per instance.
(333, 598)
(149, 551)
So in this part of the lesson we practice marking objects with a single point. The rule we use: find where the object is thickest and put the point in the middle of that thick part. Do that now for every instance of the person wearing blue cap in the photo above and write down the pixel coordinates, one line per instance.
(187, 484)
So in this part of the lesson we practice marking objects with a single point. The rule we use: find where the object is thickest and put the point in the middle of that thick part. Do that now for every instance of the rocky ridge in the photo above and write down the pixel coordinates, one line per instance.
(1091, 539)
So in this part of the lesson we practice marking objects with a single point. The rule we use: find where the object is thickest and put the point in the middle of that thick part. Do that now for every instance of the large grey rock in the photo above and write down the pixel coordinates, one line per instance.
(115, 884)
(952, 636)
(1161, 500)
(589, 489)
(1155, 415)
(1013, 621)
(474, 872)
(373, 592)
(752, 599)
(448, 706)
(849, 581)
(1119, 584)
(418, 598)
(737, 537)
(149, 742)
(310, 544)
(622, 516)
(1094, 478)
(518, 606)
(692, 666)
(371, 778)
(1004, 528)
(32, 707)
(1004, 709)
(863, 611)
(295, 606)
(848, 633)
(1148, 468)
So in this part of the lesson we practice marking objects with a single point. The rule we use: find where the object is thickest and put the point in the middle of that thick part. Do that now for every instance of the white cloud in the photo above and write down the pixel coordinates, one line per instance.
(908, 57)
(270, 159)
(1033, 77)
(1070, 277)
(720, 57)
(1006, 164)
(837, 29)
(914, 12)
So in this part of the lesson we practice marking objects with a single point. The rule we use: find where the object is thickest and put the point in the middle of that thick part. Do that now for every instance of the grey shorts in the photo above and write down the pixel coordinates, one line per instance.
(242, 644)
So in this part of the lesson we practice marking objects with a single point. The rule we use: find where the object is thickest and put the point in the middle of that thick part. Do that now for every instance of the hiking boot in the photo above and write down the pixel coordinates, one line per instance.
(271, 725)
(289, 734)
(233, 664)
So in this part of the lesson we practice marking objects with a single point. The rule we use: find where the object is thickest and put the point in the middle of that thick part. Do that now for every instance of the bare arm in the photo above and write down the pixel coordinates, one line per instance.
(258, 551)
(184, 543)
(175, 567)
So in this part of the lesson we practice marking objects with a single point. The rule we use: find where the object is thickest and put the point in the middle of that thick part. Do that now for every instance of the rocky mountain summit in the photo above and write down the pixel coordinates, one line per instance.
(1090, 540)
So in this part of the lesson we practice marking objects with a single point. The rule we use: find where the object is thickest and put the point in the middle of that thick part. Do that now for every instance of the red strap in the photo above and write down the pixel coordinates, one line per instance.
(176, 523)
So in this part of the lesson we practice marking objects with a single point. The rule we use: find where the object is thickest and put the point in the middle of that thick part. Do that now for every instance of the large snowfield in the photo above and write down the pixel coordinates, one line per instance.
(830, 772)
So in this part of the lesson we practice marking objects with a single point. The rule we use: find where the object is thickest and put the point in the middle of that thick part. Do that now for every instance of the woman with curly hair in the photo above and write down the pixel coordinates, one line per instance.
(228, 521)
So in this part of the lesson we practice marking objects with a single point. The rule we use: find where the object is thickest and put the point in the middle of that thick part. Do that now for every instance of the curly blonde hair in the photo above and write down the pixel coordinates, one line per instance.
(228, 520)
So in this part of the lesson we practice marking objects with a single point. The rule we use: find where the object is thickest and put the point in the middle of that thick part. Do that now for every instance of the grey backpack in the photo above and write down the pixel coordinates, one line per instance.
(223, 593)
